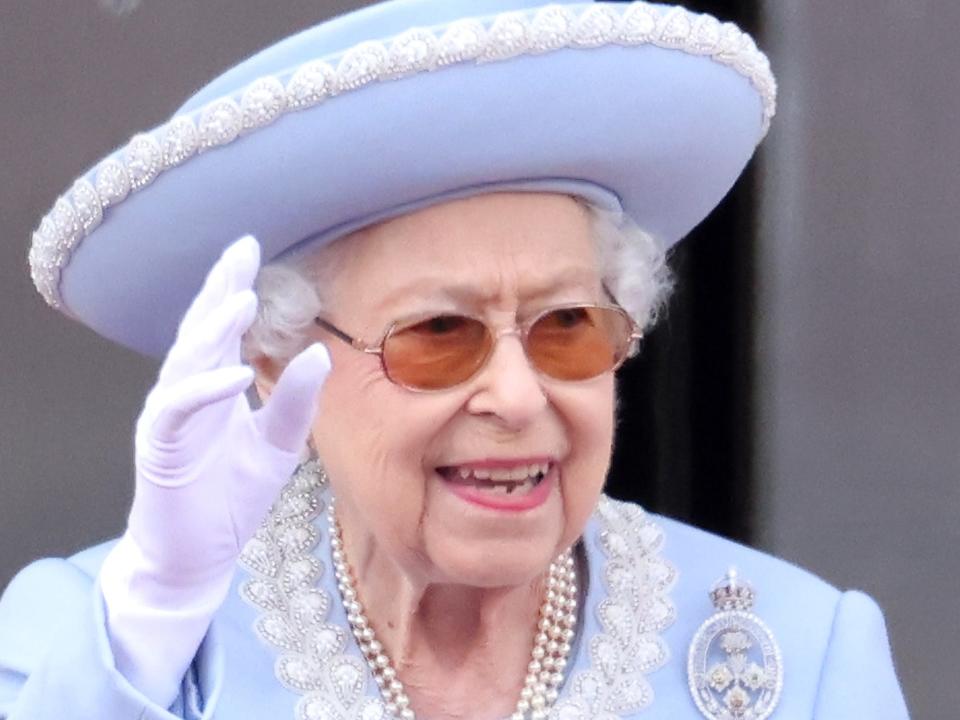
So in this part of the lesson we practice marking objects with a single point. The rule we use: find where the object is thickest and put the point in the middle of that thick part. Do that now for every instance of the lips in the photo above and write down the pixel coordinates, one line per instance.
(512, 485)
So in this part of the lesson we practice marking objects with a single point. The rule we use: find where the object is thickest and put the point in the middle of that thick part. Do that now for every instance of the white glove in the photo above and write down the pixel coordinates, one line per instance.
(208, 469)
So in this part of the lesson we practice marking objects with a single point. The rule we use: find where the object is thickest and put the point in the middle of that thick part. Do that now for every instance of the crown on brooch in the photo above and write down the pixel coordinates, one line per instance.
(732, 593)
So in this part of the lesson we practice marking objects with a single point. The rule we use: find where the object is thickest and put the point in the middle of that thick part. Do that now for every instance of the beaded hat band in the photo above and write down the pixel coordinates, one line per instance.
(646, 107)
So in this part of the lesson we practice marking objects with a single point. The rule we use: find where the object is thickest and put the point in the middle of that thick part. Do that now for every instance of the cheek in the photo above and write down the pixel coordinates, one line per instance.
(589, 417)
(373, 438)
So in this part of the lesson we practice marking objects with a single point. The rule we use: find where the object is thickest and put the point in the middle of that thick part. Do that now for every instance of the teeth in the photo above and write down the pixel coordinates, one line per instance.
(505, 480)
(520, 473)
(527, 484)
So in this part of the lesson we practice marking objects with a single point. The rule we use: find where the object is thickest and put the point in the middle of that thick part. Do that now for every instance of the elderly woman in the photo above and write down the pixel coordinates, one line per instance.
(465, 208)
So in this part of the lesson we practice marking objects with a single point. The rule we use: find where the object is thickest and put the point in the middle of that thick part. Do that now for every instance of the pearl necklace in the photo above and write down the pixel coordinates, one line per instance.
(551, 647)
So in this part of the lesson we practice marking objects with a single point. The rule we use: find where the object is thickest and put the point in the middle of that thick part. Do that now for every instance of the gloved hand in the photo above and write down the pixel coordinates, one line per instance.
(207, 470)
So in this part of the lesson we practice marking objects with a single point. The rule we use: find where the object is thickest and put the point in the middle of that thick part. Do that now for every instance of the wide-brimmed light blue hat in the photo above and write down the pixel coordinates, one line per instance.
(648, 108)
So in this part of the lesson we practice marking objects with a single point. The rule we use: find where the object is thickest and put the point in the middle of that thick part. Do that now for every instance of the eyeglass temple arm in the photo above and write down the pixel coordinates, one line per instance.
(330, 327)
(637, 333)
(338, 333)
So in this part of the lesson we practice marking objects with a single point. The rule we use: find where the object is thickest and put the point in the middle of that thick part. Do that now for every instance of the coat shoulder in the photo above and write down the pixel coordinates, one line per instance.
(90, 559)
(706, 557)
(700, 558)
(797, 606)
(41, 599)
(826, 636)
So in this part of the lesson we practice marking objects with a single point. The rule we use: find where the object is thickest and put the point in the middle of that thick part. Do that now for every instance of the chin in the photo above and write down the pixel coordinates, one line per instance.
(495, 564)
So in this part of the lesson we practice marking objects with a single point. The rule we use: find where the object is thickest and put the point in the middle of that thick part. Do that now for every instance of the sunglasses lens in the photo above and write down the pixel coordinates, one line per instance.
(437, 353)
(578, 343)
(572, 343)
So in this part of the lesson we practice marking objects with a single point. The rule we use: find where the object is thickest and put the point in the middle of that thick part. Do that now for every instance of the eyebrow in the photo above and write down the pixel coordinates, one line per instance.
(439, 287)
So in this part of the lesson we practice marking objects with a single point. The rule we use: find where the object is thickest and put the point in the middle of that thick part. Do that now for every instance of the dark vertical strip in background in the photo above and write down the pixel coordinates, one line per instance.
(684, 446)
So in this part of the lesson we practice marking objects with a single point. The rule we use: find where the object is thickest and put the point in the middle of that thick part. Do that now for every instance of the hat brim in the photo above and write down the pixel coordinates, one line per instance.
(660, 131)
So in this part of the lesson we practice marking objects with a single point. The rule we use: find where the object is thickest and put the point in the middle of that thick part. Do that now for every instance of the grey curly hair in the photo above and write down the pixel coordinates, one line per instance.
(633, 267)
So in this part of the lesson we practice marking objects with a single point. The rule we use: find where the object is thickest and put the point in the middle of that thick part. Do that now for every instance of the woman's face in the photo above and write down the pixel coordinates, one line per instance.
(397, 459)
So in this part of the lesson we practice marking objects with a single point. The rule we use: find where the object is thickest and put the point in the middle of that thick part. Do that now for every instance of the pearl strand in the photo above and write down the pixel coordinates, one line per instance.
(551, 647)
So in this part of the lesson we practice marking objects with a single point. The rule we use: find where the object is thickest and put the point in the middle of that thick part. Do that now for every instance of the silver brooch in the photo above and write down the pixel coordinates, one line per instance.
(734, 667)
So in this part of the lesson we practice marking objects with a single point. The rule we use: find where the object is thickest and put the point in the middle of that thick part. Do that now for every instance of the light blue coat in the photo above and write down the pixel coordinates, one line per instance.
(55, 661)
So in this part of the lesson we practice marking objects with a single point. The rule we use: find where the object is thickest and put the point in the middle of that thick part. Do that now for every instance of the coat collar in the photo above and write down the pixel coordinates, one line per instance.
(626, 606)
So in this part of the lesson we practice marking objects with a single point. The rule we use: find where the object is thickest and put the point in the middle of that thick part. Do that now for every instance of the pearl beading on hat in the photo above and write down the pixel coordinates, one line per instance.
(551, 28)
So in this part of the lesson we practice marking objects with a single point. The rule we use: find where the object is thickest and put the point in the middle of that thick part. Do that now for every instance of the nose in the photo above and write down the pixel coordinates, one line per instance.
(508, 387)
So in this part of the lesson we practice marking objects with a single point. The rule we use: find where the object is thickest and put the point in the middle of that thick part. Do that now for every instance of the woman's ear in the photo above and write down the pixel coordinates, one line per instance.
(266, 371)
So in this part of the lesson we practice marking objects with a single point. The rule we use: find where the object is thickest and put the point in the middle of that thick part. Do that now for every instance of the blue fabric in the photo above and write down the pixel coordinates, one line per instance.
(55, 662)
(659, 131)
(55, 659)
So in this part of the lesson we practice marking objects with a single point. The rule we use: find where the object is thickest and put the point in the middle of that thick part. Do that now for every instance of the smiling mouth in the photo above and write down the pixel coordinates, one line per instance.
(519, 479)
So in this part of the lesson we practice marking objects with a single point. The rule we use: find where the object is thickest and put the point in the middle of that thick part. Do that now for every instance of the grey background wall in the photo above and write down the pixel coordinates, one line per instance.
(859, 416)
(859, 300)
(78, 81)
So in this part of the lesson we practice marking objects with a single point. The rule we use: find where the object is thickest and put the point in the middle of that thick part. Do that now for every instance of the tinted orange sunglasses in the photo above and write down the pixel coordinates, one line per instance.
(439, 352)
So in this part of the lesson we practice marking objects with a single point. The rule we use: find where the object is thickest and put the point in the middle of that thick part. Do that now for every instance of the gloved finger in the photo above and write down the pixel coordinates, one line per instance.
(220, 341)
(215, 343)
(234, 270)
(241, 275)
(285, 419)
(244, 263)
(211, 294)
(184, 399)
